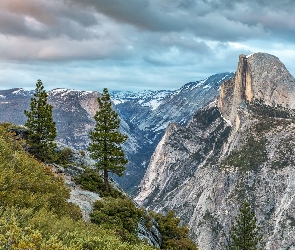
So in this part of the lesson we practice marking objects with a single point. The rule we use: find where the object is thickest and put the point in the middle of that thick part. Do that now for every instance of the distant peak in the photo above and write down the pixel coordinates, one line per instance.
(63, 91)
(259, 76)
(260, 56)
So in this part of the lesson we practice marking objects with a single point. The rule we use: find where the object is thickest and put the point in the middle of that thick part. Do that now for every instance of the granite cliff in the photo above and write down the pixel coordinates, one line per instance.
(239, 147)
(147, 114)
(144, 117)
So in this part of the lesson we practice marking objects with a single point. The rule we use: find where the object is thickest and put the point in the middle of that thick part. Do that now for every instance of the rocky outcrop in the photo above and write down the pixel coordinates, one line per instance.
(259, 76)
(82, 198)
(144, 117)
(152, 235)
(229, 152)
(147, 114)
(73, 115)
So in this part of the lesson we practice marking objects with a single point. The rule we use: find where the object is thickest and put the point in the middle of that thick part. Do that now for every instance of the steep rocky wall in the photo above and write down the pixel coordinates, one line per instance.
(206, 193)
(205, 170)
(259, 76)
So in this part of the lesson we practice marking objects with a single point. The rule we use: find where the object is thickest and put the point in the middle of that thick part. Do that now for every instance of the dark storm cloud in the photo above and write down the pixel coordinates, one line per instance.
(215, 20)
(45, 19)
(143, 44)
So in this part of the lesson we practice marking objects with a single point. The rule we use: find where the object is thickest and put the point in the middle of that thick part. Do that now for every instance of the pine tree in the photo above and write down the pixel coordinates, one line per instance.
(41, 126)
(245, 233)
(106, 139)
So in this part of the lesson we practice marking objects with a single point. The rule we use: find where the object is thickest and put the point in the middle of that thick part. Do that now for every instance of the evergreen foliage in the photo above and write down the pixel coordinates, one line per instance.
(42, 130)
(252, 155)
(92, 181)
(205, 117)
(174, 236)
(106, 139)
(245, 233)
(34, 212)
(63, 157)
(119, 214)
(259, 108)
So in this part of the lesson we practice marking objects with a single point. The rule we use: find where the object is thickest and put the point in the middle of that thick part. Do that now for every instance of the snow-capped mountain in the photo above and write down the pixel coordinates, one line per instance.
(144, 116)
(147, 98)
(147, 114)
(13, 102)
(239, 147)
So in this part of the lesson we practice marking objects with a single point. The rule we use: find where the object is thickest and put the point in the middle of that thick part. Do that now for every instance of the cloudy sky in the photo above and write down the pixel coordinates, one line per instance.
(137, 44)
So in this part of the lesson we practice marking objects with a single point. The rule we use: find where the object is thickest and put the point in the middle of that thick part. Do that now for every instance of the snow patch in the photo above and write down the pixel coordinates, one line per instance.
(18, 91)
(118, 101)
(153, 104)
(198, 85)
(163, 126)
(59, 90)
(85, 92)
(227, 121)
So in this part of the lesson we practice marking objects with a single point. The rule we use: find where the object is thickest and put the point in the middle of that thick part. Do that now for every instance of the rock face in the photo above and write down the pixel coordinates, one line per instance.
(147, 114)
(230, 151)
(13, 102)
(144, 117)
(73, 112)
(259, 76)
(152, 235)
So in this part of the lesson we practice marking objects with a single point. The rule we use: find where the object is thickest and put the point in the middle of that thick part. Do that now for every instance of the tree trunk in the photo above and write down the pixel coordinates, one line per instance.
(106, 180)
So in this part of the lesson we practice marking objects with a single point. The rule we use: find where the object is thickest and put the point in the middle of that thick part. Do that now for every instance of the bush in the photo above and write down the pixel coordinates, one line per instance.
(34, 212)
(82, 152)
(92, 181)
(63, 157)
(174, 236)
(250, 156)
(118, 214)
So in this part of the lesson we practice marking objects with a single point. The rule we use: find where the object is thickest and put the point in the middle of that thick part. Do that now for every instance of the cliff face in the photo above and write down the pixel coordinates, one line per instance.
(147, 114)
(259, 76)
(144, 117)
(228, 152)
(73, 112)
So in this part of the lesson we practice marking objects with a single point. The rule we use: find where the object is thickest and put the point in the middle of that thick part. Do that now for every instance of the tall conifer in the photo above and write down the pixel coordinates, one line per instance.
(245, 233)
(41, 126)
(106, 140)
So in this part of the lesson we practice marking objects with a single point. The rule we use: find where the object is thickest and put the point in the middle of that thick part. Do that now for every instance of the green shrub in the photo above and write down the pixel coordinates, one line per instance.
(205, 117)
(174, 236)
(250, 156)
(119, 214)
(34, 212)
(63, 157)
(92, 181)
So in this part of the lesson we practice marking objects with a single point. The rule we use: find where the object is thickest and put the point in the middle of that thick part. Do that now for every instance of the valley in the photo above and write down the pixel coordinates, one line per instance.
(200, 150)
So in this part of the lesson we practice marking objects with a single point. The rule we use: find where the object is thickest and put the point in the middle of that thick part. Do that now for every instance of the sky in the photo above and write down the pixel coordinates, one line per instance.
(137, 44)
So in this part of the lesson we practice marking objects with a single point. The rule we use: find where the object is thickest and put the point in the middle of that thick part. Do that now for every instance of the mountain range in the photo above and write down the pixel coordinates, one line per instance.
(240, 147)
(144, 117)
(200, 150)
